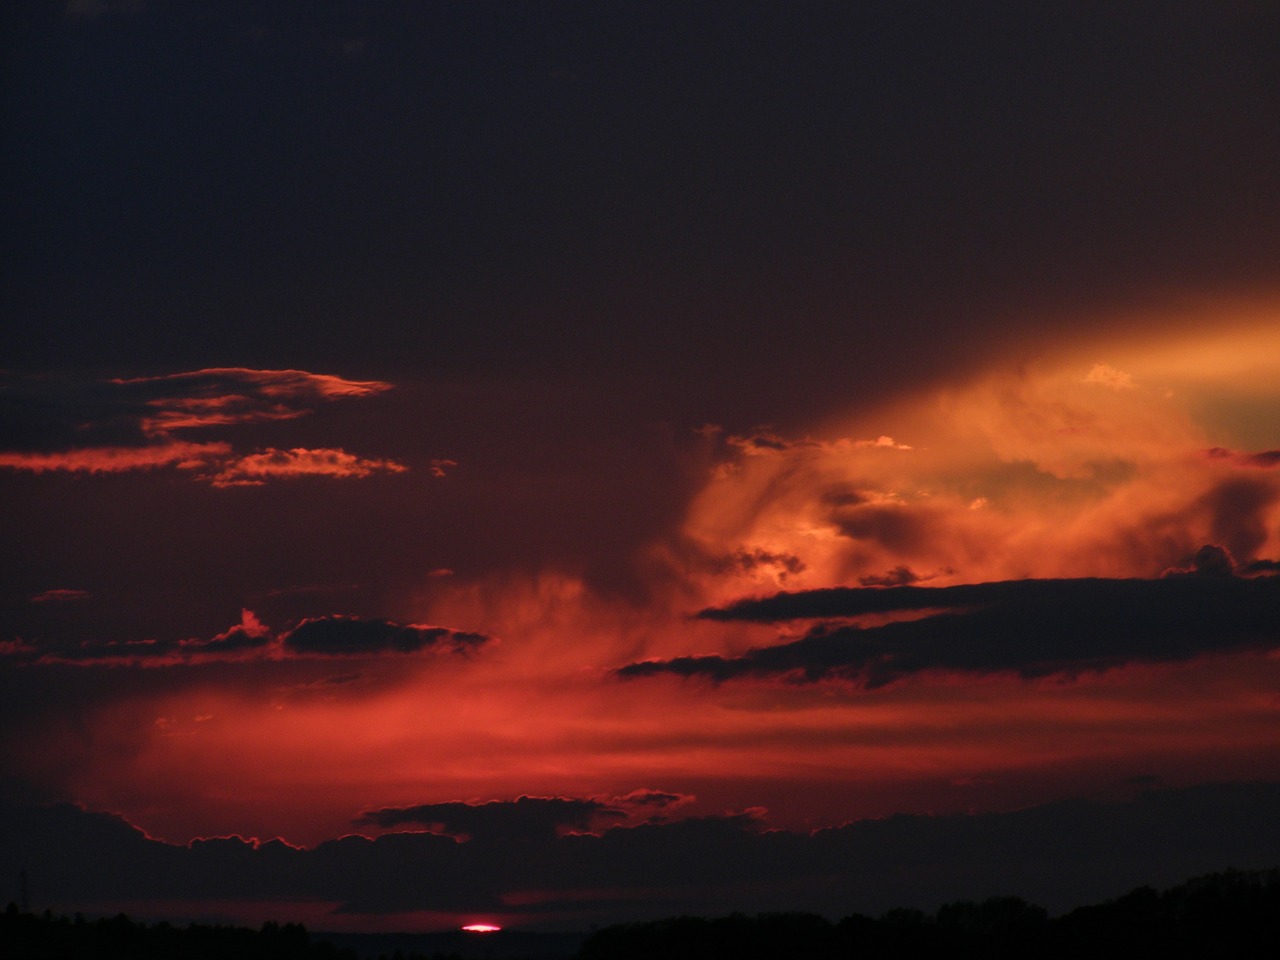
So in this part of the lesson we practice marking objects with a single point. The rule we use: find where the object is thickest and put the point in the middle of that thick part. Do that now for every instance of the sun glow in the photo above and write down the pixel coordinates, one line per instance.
(481, 928)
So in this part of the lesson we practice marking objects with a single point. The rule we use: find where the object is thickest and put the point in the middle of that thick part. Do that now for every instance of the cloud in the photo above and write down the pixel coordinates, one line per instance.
(218, 396)
(522, 818)
(356, 636)
(318, 637)
(1210, 560)
(1034, 472)
(127, 424)
(1263, 459)
(1034, 628)
(184, 456)
(257, 468)
(758, 563)
(765, 442)
(652, 800)
(1060, 855)
(529, 818)
(1108, 376)
(440, 468)
(899, 576)
(60, 595)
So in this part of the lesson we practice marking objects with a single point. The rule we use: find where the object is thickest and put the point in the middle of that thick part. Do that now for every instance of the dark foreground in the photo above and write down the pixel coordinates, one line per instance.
(1228, 915)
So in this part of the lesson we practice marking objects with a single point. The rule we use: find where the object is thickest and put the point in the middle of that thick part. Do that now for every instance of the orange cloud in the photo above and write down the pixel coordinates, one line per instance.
(174, 453)
(60, 595)
(1109, 376)
(257, 468)
(1035, 472)
(218, 396)
(142, 415)
(1049, 471)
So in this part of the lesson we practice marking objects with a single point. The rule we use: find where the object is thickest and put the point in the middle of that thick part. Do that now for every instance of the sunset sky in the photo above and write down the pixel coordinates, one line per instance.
(546, 464)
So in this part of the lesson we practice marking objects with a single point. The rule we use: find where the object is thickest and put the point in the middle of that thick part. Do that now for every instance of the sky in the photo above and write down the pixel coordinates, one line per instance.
(553, 464)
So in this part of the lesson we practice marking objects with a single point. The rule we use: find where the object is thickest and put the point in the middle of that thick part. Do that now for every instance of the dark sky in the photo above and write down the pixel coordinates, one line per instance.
(385, 389)
(436, 188)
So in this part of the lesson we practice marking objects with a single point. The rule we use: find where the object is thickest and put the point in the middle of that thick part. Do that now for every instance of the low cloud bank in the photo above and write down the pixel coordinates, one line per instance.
(1060, 855)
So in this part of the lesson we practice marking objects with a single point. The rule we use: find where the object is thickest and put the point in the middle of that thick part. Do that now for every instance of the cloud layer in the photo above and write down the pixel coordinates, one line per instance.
(125, 424)
(530, 818)
(1060, 855)
(1033, 628)
(320, 637)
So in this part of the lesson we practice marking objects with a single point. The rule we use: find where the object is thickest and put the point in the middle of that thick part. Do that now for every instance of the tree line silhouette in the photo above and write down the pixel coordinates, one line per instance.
(1234, 914)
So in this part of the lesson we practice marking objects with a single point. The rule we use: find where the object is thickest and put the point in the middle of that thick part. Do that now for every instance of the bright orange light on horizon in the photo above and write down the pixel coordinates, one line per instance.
(481, 928)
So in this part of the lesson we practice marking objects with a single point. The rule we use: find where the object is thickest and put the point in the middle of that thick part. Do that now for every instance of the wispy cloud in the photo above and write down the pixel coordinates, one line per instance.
(137, 423)
(256, 469)
(218, 396)
(1106, 375)
(179, 454)
(60, 595)
(316, 637)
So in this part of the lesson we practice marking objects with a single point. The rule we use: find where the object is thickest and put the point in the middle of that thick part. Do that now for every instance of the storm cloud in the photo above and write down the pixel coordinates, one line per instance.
(338, 635)
(1034, 628)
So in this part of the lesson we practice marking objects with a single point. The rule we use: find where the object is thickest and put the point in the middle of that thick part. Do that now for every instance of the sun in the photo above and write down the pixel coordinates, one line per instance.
(481, 928)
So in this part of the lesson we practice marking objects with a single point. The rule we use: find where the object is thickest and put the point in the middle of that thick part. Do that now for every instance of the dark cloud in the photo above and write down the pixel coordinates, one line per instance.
(895, 526)
(522, 818)
(1210, 560)
(1264, 459)
(750, 561)
(343, 636)
(653, 798)
(1237, 510)
(1031, 627)
(1059, 855)
(899, 576)
(527, 818)
(319, 637)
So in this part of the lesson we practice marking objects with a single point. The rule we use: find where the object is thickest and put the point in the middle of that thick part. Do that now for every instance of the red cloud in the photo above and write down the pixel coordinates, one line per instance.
(134, 420)
(218, 396)
(257, 468)
(60, 595)
(173, 453)
(251, 639)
